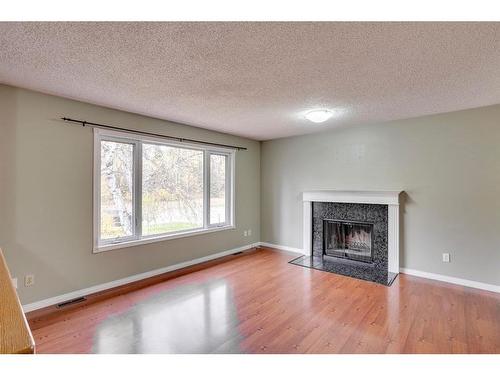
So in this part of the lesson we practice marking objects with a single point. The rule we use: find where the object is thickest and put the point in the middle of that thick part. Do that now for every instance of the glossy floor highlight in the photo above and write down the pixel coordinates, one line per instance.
(259, 303)
(193, 318)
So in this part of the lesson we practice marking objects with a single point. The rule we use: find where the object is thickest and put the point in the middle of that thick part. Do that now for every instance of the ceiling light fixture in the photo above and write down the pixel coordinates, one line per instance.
(318, 115)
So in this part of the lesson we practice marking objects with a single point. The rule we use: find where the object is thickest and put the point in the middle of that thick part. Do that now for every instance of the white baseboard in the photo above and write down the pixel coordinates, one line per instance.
(427, 275)
(451, 280)
(285, 248)
(141, 276)
(112, 284)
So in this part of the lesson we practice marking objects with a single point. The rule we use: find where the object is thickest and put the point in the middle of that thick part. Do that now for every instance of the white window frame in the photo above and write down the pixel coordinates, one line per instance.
(229, 190)
(137, 238)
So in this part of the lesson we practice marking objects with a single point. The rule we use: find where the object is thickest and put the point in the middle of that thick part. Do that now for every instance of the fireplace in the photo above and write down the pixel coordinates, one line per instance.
(351, 233)
(348, 239)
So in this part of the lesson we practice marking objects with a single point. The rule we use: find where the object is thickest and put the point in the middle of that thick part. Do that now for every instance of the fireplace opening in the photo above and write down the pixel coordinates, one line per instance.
(348, 239)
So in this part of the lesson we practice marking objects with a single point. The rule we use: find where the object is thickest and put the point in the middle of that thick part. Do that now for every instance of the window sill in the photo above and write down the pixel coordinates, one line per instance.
(144, 241)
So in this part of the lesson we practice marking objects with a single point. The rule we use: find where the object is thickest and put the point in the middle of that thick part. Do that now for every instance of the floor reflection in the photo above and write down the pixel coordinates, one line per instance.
(195, 318)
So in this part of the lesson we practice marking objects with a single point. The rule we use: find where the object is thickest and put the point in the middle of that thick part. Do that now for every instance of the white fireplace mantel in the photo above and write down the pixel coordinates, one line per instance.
(389, 198)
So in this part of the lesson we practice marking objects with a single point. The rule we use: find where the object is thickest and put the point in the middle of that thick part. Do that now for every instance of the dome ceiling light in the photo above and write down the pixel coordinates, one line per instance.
(318, 115)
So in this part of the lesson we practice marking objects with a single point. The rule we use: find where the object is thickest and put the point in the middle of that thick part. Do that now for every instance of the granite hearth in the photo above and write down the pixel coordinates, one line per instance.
(346, 268)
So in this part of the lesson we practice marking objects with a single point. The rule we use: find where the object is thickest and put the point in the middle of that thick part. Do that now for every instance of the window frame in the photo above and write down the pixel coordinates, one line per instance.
(137, 238)
(229, 191)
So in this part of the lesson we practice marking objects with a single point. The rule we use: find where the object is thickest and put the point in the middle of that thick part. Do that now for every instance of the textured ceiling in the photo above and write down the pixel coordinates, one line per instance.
(257, 79)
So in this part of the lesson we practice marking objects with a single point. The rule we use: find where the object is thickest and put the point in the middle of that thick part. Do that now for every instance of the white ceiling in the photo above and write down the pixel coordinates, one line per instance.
(257, 79)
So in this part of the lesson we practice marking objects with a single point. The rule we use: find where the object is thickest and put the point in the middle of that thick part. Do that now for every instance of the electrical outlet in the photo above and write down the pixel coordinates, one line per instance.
(245, 233)
(29, 280)
(446, 257)
(249, 232)
(14, 282)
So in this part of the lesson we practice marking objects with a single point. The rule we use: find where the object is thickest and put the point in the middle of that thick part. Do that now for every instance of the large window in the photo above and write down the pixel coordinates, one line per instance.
(148, 190)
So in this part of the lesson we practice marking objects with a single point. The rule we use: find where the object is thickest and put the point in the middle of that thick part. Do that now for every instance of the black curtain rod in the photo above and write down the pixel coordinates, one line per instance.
(102, 126)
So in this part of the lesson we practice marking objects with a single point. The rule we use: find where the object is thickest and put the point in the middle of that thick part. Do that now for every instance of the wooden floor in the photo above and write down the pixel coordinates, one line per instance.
(258, 303)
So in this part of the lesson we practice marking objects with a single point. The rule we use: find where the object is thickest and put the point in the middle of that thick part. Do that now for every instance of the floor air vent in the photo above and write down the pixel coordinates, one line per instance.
(71, 302)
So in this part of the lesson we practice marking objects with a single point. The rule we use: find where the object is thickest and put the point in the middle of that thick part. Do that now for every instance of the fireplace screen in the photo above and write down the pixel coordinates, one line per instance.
(348, 239)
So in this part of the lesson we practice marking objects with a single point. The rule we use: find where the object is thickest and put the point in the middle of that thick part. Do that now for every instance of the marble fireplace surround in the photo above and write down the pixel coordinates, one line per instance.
(389, 198)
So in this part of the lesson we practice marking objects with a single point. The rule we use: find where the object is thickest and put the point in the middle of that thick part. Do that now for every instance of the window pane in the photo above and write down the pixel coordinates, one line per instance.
(172, 189)
(117, 163)
(218, 189)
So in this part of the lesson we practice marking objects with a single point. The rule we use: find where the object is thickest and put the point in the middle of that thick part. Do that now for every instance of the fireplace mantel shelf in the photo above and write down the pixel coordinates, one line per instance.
(389, 197)
(386, 197)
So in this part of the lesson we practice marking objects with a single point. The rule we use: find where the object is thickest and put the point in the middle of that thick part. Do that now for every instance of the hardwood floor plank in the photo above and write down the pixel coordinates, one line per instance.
(257, 302)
